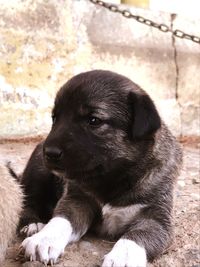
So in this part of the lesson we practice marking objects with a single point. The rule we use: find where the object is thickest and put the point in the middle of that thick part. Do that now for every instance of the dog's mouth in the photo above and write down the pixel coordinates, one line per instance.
(74, 173)
(73, 169)
(84, 174)
(55, 168)
(59, 173)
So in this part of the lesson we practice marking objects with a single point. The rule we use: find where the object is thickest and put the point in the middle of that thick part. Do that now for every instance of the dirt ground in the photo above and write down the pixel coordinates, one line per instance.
(185, 251)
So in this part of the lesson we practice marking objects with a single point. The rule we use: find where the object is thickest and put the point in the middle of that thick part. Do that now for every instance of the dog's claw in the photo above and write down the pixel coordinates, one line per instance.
(20, 250)
(20, 253)
(24, 230)
(51, 262)
(45, 263)
(31, 258)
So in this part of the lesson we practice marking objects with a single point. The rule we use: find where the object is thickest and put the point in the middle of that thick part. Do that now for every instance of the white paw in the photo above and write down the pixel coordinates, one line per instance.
(48, 244)
(32, 229)
(125, 253)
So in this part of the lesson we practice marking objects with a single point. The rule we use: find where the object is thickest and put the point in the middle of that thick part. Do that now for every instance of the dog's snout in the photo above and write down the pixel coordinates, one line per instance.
(53, 153)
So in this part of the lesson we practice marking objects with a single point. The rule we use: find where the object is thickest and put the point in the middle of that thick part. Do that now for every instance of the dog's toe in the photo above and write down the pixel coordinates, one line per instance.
(54, 254)
(31, 229)
(29, 246)
(125, 253)
(42, 247)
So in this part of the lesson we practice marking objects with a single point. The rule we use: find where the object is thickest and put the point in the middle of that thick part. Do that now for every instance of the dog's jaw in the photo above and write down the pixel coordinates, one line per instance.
(126, 253)
(49, 244)
(60, 174)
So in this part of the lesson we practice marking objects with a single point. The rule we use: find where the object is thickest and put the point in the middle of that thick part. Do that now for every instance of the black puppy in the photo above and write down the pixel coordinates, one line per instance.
(108, 165)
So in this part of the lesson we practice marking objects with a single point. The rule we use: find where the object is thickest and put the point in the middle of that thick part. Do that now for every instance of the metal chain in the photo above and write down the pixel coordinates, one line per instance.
(162, 27)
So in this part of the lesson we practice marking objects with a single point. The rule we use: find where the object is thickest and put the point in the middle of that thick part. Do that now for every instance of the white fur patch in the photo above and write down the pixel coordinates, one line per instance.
(32, 229)
(125, 253)
(48, 244)
(115, 218)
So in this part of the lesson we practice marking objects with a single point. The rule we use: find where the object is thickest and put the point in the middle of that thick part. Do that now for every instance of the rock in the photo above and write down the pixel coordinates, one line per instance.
(196, 196)
(181, 183)
(88, 246)
(195, 181)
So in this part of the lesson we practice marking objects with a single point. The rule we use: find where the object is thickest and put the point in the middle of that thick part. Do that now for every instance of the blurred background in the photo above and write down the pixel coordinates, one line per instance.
(43, 43)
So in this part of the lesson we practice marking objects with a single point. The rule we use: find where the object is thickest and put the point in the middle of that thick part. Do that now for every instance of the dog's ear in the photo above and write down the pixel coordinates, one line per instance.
(145, 119)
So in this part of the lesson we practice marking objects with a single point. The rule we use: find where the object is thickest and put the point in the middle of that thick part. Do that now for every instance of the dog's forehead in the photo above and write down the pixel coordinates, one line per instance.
(94, 88)
(103, 91)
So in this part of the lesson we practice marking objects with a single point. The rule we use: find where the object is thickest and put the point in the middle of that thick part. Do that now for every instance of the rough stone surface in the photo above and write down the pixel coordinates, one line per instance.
(44, 43)
(36, 39)
(89, 251)
(188, 86)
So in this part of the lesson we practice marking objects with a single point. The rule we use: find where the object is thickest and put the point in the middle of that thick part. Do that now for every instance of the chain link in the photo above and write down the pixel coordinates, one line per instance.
(162, 27)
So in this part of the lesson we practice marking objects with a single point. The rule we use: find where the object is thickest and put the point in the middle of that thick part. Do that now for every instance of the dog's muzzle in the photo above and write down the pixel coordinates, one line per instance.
(53, 157)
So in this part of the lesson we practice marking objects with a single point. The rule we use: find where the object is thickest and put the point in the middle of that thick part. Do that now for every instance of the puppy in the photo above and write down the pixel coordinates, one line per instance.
(108, 165)
(11, 198)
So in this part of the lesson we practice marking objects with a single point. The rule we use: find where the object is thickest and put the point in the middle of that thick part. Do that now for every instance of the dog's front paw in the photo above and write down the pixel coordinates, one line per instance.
(48, 244)
(31, 229)
(125, 253)
(45, 248)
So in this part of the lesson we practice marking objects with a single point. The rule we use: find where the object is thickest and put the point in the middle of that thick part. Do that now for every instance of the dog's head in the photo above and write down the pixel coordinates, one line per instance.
(100, 118)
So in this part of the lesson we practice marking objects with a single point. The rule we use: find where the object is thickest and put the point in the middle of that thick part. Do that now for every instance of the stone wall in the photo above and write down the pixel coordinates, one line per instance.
(44, 43)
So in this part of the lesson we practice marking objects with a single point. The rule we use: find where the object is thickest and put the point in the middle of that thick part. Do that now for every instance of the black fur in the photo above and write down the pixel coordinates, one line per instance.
(146, 120)
(109, 146)
(42, 190)
(12, 172)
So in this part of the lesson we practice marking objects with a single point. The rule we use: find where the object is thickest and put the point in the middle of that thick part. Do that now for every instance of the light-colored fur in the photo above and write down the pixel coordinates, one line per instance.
(126, 253)
(10, 208)
(55, 235)
(113, 217)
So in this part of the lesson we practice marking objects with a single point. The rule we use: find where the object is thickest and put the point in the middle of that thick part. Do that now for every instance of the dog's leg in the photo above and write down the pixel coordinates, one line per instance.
(146, 239)
(42, 191)
(72, 218)
(48, 244)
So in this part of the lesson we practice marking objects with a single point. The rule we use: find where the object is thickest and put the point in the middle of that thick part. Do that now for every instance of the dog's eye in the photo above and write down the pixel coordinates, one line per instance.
(94, 121)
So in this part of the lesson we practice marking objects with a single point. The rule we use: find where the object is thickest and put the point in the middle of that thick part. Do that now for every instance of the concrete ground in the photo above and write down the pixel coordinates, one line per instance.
(89, 251)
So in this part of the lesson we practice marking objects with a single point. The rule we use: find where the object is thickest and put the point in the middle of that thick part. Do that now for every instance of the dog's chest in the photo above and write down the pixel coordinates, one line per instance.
(116, 219)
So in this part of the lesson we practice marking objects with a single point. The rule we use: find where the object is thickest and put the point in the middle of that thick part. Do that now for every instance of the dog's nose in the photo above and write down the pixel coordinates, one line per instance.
(53, 153)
